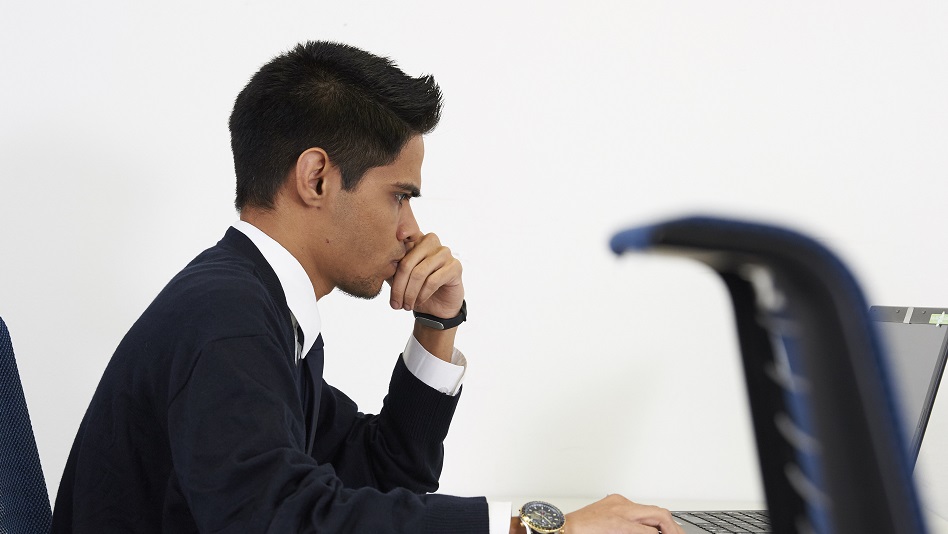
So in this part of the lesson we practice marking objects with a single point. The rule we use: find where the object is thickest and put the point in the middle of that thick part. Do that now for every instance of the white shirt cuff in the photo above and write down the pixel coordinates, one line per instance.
(499, 515)
(433, 371)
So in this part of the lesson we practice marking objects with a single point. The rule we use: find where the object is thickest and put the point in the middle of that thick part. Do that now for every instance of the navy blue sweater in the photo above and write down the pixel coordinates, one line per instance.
(204, 422)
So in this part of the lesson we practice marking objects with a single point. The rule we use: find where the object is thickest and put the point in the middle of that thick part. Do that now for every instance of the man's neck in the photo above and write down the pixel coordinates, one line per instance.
(283, 230)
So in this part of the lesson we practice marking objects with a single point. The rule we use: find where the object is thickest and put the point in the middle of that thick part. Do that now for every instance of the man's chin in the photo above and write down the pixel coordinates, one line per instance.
(362, 289)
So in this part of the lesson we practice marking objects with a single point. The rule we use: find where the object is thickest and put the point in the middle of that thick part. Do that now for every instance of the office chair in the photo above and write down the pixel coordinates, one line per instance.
(24, 502)
(831, 454)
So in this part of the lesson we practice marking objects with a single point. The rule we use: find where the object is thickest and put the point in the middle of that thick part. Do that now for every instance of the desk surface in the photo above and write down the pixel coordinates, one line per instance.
(936, 524)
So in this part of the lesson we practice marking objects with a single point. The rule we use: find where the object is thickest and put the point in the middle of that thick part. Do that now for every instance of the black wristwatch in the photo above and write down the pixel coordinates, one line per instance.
(443, 324)
(542, 518)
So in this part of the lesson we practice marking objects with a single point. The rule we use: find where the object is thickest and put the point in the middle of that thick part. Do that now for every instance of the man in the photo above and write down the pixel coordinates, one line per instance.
(213, 415)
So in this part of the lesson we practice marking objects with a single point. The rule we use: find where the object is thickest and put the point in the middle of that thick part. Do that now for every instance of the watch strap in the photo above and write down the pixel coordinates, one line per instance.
(439, 323)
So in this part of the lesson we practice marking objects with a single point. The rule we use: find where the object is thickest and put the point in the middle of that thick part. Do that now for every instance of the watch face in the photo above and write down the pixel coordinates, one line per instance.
(542, 516)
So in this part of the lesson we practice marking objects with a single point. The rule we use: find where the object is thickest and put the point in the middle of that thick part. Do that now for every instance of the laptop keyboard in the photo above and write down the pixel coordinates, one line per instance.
(728, 522)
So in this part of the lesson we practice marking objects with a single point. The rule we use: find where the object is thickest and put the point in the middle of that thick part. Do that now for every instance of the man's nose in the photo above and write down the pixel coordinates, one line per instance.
(407, 226)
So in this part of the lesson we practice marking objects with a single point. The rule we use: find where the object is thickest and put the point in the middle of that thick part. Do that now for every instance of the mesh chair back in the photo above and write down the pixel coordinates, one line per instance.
(832, 455)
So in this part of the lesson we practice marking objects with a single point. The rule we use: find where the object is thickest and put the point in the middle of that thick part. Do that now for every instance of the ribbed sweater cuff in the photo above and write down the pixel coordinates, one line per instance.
(456, 515)
(424, 414)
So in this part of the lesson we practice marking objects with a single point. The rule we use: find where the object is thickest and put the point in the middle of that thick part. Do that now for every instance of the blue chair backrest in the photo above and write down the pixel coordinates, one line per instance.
(832, 455)
(24, 502)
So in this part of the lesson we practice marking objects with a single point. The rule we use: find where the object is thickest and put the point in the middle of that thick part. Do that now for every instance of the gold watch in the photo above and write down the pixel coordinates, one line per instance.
(542, 518)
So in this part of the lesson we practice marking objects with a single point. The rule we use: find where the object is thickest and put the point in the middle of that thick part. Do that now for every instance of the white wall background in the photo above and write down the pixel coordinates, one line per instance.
(564, 122)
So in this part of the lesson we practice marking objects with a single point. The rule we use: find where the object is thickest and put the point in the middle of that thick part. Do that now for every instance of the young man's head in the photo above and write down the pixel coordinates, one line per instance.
(359, 108)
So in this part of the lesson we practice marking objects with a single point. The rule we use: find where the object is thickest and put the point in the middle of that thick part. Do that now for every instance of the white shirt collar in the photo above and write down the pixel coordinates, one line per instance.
(300, 296)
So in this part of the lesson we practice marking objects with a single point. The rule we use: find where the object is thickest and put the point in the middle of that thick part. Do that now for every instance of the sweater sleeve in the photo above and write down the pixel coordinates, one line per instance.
(237, 440)
(402, 447)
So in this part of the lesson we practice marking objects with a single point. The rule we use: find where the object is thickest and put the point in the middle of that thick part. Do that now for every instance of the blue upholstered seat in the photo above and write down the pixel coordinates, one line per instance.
(24, 502)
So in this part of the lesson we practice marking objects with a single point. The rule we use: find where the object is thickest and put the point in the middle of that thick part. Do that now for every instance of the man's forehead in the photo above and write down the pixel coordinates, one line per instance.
(392, 179)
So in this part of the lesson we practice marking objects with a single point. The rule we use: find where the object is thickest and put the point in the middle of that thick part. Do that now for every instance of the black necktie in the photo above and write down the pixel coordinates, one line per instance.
(299, 344)
(310, 382)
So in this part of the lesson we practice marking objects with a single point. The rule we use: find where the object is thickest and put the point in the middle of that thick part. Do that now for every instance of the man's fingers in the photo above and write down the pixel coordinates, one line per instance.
(447, 273)
(659, 518)
(426, 267)
(417, 277)
(415, 253)
(427, 276)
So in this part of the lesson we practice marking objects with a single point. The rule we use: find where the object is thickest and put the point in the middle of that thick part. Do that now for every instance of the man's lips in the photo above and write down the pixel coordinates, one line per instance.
(391, 279)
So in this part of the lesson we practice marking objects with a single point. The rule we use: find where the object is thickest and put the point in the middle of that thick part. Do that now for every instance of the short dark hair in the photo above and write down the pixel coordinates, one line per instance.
(358, 107)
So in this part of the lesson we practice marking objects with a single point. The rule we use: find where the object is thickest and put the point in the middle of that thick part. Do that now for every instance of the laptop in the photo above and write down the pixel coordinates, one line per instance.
(916, 345)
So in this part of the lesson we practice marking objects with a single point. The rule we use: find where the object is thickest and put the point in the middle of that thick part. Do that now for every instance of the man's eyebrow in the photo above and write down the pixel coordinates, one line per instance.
(409, 188)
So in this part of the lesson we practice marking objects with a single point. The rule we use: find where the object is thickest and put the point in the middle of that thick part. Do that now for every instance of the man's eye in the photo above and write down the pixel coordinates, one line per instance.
(400, 197)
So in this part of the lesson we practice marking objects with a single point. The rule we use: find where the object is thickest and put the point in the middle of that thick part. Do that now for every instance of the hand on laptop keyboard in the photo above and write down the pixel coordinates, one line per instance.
(617, 515)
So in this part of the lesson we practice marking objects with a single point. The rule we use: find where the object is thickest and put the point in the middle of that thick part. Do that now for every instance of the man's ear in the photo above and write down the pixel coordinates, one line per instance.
(315, 177)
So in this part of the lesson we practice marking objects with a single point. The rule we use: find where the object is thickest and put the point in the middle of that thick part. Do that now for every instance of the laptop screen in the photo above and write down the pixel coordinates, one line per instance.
(916, 343)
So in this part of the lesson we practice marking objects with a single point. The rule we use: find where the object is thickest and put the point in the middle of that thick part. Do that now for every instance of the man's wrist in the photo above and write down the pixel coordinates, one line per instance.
(440, 343)
(516, 527)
